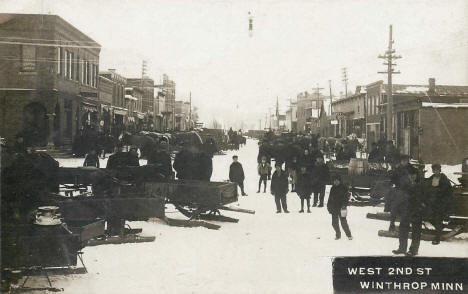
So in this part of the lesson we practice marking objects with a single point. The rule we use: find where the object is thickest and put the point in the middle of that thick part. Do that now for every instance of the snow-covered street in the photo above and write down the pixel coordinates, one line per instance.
(263, 253)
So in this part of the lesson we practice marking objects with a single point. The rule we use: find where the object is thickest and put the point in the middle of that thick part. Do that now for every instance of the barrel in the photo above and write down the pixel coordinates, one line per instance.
(358, 166)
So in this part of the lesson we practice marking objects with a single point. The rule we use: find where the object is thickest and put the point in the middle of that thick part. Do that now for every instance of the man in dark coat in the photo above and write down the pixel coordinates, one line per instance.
(320, 178)
(123, 159)
(236, 174)
(413, 204)
(184, 164)
(304, 187)
(91, 159)
(279, 188)
(440, 191)
(338, 200)
(205, 167)
(399, 178)
(307, 160)
(162, 159)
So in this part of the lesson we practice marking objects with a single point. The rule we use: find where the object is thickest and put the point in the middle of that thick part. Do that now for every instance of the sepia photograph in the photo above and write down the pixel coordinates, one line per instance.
(233, 146)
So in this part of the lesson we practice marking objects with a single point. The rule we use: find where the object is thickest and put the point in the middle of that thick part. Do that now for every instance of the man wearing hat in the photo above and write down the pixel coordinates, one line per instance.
(441, 199)
(279, 188)
(412, 205)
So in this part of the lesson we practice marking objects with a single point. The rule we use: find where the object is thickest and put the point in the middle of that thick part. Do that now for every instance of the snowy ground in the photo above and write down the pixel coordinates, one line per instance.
(263, 253)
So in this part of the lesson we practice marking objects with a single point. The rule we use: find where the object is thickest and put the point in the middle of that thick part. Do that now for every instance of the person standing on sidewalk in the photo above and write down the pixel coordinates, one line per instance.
(236, 174)
(264, 171)
(337, 207)
(279, 188)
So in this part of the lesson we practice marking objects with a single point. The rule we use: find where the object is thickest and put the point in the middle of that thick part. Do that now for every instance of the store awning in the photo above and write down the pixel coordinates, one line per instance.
(139, 115)
(89, 107)
(130, 97)
(120, 110)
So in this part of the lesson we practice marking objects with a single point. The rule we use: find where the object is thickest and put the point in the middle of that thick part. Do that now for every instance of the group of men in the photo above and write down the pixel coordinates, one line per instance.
(415, 199)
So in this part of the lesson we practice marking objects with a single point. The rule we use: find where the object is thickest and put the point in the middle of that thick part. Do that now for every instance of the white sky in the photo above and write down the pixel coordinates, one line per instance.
(205, 46)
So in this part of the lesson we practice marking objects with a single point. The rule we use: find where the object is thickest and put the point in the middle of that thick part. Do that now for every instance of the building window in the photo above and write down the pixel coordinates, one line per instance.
(86, 72)
(65, 64)
(72, 66)
(28, 58)
(59, 60)
(78, 68)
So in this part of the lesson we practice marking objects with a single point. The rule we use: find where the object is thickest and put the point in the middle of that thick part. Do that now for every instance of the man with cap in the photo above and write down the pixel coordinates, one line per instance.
(440, 191)
(279, 188)
(412, 204)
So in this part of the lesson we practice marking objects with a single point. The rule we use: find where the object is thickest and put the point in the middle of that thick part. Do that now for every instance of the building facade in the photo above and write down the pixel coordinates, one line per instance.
(119, 112)
(308, 111)
(350, 114)
(168, 89)
(49, 85)
(428, 120)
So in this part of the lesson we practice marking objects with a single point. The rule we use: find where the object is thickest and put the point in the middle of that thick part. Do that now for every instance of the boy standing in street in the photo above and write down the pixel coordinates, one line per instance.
(264, 171)
(338, 202)
(236, 174)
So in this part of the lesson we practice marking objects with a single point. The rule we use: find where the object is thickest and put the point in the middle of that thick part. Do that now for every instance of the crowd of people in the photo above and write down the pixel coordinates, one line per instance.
(299, 166)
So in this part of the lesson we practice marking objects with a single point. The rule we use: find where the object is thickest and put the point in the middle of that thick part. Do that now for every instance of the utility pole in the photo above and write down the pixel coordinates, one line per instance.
(190, 111)
(269, 113)
(331, 96)
(317, 91)
(389, 56)
(345, 80)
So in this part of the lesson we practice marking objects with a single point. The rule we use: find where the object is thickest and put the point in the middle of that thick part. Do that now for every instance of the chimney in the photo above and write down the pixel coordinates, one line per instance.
(432, 85)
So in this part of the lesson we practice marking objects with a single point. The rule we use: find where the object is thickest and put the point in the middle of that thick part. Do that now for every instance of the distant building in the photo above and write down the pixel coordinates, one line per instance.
(133, 98)
(159, 110)
(49, 83)
(291, 117)
(308, 110)
(105, 98)
(350, 114)
(119, 112)
(168, 88)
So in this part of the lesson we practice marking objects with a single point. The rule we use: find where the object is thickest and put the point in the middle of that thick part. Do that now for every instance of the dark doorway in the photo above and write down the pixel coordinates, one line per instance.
(35, 124)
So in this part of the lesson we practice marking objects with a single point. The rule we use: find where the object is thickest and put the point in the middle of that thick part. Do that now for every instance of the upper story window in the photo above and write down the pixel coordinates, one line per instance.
(59, 60)
(28, 58)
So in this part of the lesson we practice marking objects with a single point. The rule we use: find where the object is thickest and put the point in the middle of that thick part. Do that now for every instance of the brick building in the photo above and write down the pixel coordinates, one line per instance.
(49, 82)
(105, 99)
(119, 112)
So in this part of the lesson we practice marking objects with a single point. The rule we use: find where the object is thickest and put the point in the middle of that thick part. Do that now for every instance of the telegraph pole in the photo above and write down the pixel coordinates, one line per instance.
(190, 111)
(389, 56)
(331, 96)
(345, 80)
(317, 91)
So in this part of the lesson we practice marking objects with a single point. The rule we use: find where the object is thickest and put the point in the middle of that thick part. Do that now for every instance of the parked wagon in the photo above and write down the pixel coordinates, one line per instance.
(199, 199)
(369, 183)
(456, 221)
